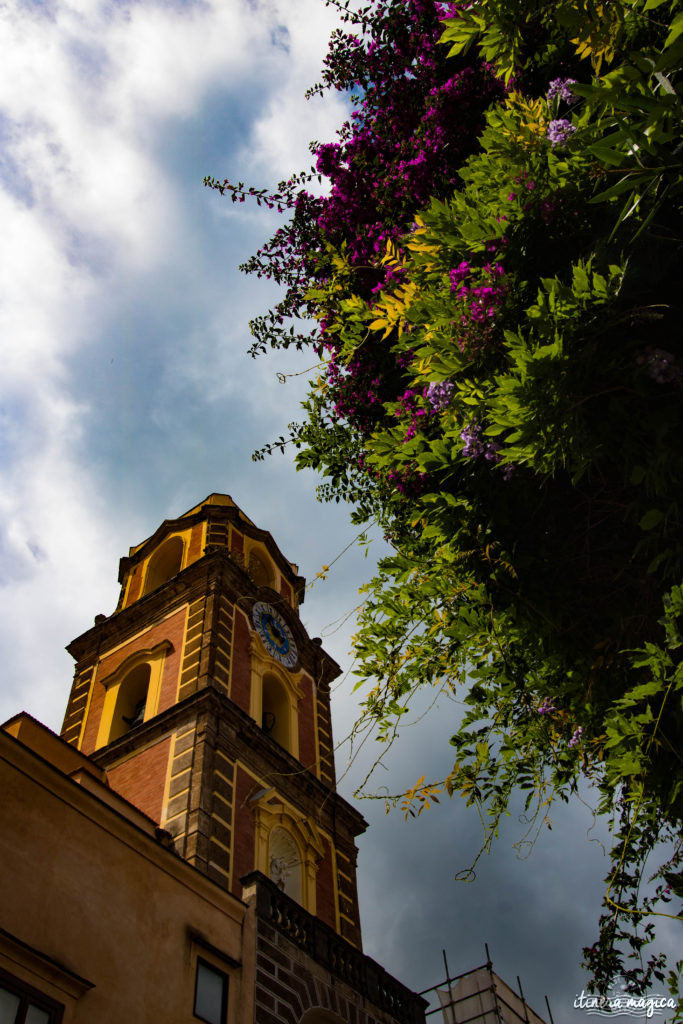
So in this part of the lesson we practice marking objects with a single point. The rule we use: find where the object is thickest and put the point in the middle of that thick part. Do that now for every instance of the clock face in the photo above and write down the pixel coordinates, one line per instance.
(275, 633)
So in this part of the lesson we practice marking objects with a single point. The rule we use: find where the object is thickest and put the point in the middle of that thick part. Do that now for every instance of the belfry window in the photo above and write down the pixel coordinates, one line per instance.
(275, 711)
(131, 701)
(260, 571)
(165, 563)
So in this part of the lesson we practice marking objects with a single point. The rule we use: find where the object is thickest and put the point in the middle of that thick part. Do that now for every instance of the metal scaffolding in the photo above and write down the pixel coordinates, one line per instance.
(480, 996)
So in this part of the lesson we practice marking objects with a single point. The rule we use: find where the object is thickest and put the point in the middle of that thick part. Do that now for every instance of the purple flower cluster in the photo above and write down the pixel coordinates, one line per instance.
(439, 394)
(474, 447)
(576, 737)
(560, 131)
(546, 707)
(660, 365)
(561, 87)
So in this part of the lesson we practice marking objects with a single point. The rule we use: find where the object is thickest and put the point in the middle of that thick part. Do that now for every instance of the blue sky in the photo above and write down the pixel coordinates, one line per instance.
(127, 395)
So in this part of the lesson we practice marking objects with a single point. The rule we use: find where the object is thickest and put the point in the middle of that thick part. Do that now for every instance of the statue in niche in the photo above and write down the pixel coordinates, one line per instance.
(284, 863)
(279, 872)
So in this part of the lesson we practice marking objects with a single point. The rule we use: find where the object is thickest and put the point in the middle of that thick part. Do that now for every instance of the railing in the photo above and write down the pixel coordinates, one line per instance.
(335, 954)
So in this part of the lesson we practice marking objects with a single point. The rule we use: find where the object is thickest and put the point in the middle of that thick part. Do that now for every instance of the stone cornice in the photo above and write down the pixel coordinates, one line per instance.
(246, 742)
(216, 572)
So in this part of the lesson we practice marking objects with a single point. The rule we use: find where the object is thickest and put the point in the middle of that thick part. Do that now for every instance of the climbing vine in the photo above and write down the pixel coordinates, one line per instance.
(491, 288)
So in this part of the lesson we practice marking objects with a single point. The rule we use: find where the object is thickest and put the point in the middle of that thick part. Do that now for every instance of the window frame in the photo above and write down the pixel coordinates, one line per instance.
(225, 995)
(30, 996)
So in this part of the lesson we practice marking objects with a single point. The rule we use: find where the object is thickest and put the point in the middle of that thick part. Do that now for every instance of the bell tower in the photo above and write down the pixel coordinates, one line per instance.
(208, 705)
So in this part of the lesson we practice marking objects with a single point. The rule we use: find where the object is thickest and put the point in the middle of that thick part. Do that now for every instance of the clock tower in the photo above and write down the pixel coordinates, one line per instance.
(207, 703)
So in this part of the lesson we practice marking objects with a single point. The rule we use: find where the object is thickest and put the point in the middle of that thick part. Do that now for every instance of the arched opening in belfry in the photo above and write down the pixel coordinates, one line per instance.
(261, 571)
(284, 863)
(131, 701)
(275, 711)
(164, 564)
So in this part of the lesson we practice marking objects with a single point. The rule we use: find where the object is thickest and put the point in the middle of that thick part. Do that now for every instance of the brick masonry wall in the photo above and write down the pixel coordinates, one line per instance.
(240, 681)
(244, 840)
(92, 723)
(141, 779)
(288, 983)
(194, 550)
(324, 889)
(306, 726)
(237, 545)
(171, 629)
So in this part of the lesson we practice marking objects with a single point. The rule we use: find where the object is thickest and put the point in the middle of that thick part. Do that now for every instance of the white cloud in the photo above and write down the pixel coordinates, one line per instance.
(282, 135)
(100, 244)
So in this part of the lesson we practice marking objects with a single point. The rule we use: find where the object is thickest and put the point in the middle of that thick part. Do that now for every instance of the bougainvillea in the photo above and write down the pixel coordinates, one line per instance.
(491, 284)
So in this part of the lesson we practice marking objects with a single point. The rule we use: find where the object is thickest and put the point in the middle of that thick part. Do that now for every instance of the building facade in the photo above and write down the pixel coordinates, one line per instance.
(186, 851)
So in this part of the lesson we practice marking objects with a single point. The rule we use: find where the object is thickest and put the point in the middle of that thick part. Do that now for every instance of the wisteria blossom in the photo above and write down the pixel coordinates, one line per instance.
(561, 87)
(560, 131)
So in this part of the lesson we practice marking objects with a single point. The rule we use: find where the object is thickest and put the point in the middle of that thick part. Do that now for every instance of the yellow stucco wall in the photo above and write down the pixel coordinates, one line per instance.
(87, 891)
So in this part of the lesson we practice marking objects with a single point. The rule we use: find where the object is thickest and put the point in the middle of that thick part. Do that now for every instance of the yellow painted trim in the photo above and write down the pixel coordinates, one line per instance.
(256, 547)
(86, 712)
(140, 748)
(335, 883)
(222, 845)
(205, 531)
(316, 728)
(173, 817)
(181, 735)
(181, 660)
(218, 867)
(126, 589)
(167, 781)
(131, 639)
(232, 824)
(304, 833)
(262, 663)
(217, 817)
(185, 537)
(155, 657)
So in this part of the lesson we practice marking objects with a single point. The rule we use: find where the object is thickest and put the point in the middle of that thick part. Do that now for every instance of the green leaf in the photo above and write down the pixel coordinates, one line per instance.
(676, 30)
(651, 519)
